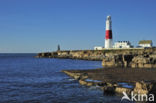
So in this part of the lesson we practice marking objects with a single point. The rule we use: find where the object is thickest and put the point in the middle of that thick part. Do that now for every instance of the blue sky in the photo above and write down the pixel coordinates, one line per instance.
(40, 25)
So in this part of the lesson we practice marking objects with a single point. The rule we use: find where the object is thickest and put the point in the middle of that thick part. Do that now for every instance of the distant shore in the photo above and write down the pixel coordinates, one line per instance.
(134, 57)
(88, 54)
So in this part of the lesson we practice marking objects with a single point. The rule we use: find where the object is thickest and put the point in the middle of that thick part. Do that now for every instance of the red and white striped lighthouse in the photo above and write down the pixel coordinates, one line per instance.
(108, 36)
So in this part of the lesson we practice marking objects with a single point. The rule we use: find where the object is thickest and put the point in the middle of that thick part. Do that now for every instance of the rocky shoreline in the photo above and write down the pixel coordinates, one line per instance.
(117, 80)
(134, 58)
(117, 74)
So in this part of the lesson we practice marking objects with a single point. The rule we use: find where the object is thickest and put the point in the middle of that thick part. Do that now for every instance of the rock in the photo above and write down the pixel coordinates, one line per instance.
(84, 76)
(143, 61)
(148, 66)
(142, 87)
(122, 89)
(102, 84)
(83, 82)
(109, 90)
(135, 58)
(134, 65)
(90, 84)
(76, 77)
(112, 61)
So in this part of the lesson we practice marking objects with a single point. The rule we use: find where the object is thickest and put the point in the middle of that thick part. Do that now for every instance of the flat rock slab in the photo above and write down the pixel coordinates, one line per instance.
(119, 74)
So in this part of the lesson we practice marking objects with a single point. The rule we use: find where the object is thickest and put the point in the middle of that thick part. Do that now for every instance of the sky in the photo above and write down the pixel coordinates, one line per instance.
(32, 26)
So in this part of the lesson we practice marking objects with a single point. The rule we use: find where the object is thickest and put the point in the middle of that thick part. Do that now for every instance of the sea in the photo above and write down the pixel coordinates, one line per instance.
(26, 79)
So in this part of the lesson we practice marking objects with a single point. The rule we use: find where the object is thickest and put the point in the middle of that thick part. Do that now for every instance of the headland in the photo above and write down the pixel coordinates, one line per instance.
(123, 69)
(134, 58)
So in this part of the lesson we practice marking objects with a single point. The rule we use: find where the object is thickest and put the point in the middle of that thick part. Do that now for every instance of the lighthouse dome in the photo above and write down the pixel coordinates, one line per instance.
(108, 17)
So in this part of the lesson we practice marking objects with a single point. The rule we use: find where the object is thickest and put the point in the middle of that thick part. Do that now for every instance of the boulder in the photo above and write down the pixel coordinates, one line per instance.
(142, 87)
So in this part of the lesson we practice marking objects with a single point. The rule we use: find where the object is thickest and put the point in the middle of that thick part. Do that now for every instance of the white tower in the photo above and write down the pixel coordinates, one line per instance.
(108, 36)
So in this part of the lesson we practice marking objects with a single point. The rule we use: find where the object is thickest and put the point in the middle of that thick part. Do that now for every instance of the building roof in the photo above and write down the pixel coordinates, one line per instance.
(145, 42)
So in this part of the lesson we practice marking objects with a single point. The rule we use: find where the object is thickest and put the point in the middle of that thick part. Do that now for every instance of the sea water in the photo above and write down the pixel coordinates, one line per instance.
(25, 79)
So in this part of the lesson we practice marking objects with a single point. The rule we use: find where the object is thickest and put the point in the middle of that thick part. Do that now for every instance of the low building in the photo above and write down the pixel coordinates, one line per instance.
(123, 44)
(145, 43)
(98, 48)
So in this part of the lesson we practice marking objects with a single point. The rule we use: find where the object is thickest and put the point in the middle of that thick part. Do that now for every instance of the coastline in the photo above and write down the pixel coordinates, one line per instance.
(128, 58)
(91, 54)
(124, 70)
(117, 80)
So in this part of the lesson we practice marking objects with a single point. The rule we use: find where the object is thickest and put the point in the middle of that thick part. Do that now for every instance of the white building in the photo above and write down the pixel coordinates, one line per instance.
(98, 48)
(145, 43)
(122, 44)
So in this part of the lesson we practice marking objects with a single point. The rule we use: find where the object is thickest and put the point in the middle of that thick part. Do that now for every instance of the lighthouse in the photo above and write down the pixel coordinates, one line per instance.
(108, 35)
